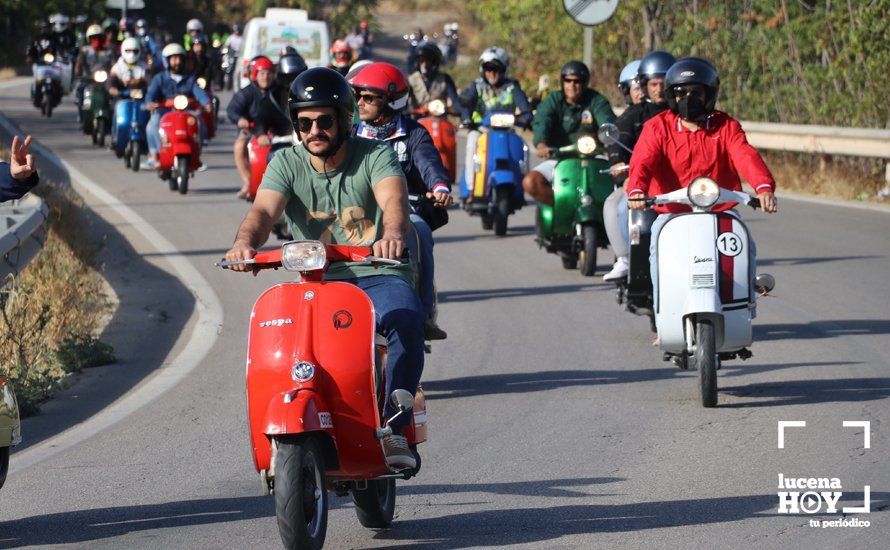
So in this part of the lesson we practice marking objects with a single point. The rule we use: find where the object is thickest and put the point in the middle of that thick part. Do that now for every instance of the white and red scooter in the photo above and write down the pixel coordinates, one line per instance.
(707, 290)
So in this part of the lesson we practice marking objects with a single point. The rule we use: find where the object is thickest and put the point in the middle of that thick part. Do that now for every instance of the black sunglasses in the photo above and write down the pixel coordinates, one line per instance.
(492, 67)
(367, 98)
(324, 122)
(572, 81)
(683, 91)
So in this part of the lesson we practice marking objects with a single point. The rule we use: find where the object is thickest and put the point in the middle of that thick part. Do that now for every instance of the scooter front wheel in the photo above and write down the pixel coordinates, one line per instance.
(706, 362)
(135, 155)
(376, 504)
(587, 257)
(301, 498)
(182, 174)
(4, 464)
(501, 210)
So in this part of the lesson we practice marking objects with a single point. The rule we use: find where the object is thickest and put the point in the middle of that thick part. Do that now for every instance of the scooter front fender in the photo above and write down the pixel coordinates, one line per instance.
(297, 412)
(501, 178)
(291, 413)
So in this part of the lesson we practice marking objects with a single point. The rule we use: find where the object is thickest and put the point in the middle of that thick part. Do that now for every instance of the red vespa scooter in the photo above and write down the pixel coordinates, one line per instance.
(435, 120)
(180, 153)
(258, 156)
(315, 394)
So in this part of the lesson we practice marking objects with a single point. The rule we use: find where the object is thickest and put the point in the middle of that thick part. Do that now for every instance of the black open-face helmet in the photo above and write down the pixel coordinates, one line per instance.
(576, 68)
(430, 52)
(323, 87)
(692, 70)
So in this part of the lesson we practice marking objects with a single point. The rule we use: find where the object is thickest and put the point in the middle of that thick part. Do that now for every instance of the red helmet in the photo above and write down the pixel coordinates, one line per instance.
(341, 54)
(385, 79)
(260, 62)
(363, 24)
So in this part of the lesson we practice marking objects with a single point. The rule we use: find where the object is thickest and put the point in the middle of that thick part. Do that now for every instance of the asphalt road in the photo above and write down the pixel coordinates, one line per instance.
(553, 421)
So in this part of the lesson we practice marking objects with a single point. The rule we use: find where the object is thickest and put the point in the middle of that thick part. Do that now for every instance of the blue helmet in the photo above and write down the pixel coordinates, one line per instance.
(628, 73)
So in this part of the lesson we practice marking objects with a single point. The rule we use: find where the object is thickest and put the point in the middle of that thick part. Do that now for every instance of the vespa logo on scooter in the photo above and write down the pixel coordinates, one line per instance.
(342, 319)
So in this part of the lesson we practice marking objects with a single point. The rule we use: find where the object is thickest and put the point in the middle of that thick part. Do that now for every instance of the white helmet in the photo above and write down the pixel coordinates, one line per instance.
(194, 25)
(60, 21)
(173, 49)
(130, 50)
(495, 55)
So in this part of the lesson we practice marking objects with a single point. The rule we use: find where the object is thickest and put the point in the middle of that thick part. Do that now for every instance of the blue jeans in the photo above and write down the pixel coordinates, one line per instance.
(400, 319)
(427, 289)
(653, 255)
(152, 131)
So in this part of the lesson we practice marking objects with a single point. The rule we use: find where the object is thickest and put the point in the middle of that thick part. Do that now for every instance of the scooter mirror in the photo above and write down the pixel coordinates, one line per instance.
(764, 283)
(608, 133)
(402, 399)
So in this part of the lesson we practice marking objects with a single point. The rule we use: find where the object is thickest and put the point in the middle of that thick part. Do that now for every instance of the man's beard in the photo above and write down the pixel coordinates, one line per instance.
(329, 150)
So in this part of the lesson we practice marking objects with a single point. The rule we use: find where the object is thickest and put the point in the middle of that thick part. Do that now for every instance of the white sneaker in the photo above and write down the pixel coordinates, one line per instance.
(619, 270)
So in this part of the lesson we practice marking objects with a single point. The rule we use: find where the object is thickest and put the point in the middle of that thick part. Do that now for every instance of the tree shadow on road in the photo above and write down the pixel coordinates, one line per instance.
(557, 488)
(548, 523)
(102, 523)
(811, 260)
(803, 392)
(820, 329)
(154, 306)
(451, 296)
(518, 231)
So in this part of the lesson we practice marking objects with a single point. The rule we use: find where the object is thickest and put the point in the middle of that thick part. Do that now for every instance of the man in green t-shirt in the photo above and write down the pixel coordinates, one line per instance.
(564, 116)
(341, 189)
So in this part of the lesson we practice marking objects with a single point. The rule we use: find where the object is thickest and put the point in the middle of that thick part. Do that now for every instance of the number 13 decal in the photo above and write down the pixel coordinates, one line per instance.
(729, 244)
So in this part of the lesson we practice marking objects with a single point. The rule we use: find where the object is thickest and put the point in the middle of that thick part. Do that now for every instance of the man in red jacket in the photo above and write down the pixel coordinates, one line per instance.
(692, 140)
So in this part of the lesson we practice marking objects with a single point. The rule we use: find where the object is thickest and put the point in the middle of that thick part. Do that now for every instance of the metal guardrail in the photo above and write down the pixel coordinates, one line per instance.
(22, 233)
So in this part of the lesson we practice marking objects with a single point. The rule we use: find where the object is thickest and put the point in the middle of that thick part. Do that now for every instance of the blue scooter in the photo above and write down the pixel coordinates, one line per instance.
(128, 131)
(500, 163)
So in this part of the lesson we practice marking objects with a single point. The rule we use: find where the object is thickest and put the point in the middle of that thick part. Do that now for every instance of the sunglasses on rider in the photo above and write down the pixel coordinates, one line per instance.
(491, 67)
(682, 91)
(572, 81)
(367, 98)
(324, 122)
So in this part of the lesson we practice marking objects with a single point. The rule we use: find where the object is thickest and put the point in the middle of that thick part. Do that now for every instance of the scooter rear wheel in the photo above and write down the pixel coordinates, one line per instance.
(376, 504)
(47, 107)
(706, 362)
(301, 498)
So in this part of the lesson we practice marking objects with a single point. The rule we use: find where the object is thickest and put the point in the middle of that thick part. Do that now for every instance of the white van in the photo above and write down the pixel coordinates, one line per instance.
(281, 28)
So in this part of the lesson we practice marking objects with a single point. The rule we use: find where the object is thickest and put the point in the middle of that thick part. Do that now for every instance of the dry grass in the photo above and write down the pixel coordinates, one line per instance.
(835, 177)
(51, 312)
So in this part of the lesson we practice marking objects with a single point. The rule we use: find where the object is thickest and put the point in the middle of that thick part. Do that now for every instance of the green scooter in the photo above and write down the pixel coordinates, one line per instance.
(573, 226)
(10, 428)
(97, 108)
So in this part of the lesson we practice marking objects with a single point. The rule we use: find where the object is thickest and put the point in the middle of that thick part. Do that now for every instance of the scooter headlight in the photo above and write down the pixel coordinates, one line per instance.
(437, 107)
(303, 256)
(48, 58)
(100, 76)
(703, 192)
(136, 94)
(586, 145)
(180, 103)
(586, 200)
(202, 83)
(303, 371)
(502, 120)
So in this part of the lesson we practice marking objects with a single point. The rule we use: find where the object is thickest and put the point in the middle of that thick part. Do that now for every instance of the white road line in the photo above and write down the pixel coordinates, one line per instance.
(209, 320)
